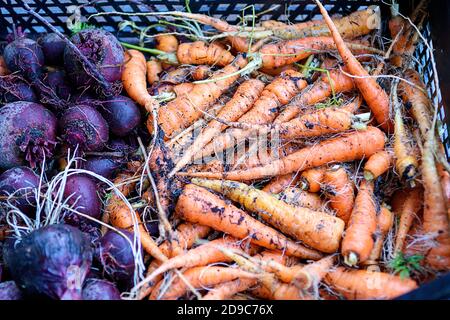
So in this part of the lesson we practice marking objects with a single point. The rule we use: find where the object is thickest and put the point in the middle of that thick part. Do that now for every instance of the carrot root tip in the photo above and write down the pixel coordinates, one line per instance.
(351, 259)
(368, 175)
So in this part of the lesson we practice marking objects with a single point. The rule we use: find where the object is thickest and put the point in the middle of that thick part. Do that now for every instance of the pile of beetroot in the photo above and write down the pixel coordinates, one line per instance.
(54, 106)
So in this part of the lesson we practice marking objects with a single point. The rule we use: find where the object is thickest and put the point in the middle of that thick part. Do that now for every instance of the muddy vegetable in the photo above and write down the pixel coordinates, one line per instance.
(27, 134)
(52, 261)
(83, 126)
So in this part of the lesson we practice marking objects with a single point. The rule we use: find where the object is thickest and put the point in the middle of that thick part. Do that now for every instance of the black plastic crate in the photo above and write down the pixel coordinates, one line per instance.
(55, 11)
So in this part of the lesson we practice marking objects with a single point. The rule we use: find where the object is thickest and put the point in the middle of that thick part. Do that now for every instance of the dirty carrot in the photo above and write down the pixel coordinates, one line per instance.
(201, 72)
(198, 205)
(311, 179)
(199, 277)
(300, 198)
(338, 187)
(199, 52)
(154, 68)
(186, 235)
(134, 80)
(407, 212)
(227, 290)
(3, 68)
(121, 217)
(280, 183)
(316, 229)
(180, 113)
(202, 255)
(243, 99)
(276, 94)
(368, 285)
(348, 147)
(335, 81)
(385, 221)
(358, 239)
(375, 97)
(167, 43)
(356, 24)
(406, 162)
(377, 165)
(291, 51)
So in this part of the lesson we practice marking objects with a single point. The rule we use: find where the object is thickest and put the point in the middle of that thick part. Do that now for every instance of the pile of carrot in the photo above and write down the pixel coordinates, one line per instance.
(288, 162)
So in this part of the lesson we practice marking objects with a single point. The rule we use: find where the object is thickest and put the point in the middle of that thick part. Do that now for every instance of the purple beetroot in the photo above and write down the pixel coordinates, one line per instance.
(105, 52)
(14, 88)
(99, 289)
(122, 115)
(27, 134)
(83, 126)
(10, 291)
(53, 48)
(52, 261)
(115, 254)
(24, 56)
(82, 193)
(20, 181)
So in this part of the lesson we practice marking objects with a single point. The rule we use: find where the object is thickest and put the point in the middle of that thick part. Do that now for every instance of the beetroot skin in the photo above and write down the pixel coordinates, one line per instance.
(52, 261)
(83, 126)
(84, 189)
(122, 115)
(27, 134)
(23, 179)
(53, 47)
(14, 88)
(104, 51)
(99, 289)
(25, 56)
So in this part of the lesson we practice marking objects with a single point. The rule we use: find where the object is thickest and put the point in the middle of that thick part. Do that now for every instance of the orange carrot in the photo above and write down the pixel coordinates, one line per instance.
(311, 179)
(199, 53)
(166, 42)
(153, 70)
(198, 205)
(356, 24)
(227, 290)
(375, 97)
(407, 212)
(368, 285)
(291, 51)
(406, 162)
(280, 183)
(319, 91)
(358, 239)
(316, 229)
(300, 198)
(199, 277)
(243, 99)
(201, 72)
(416, 100)
(134, 80)
(3, 68)
(186, 235)
(185, 110)
(121, 217)
(348, 147)
(377, 165)
(385, 221)
(339, 190)
(315, 124)
(435, 218)
(280, 291)
(202, 255)
(276, 94)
